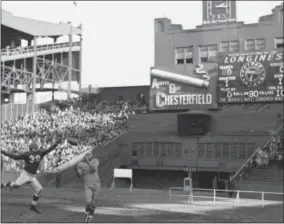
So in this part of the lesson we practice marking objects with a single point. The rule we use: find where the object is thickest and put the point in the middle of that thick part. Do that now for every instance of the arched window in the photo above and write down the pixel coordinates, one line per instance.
(160, 27)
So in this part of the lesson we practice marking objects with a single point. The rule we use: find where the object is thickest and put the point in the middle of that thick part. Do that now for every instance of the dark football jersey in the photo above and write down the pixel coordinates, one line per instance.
(32, 160)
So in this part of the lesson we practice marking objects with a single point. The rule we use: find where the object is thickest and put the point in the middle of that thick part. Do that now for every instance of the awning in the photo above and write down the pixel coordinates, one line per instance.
(35, 27)
(196, 112)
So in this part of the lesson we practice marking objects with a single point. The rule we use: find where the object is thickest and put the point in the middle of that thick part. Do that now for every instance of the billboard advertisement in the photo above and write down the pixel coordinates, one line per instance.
(173, 91)
(251, 77)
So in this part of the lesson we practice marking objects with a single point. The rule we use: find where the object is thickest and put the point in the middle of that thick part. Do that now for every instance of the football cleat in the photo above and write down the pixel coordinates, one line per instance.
(33, 208)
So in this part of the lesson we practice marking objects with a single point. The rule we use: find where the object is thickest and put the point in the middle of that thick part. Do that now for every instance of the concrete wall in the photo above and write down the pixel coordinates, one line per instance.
(174, 36)
(259, 186)
(231, 125)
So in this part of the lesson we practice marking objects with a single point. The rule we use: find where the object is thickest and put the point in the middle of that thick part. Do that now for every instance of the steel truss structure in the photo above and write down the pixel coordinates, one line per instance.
(47, 71)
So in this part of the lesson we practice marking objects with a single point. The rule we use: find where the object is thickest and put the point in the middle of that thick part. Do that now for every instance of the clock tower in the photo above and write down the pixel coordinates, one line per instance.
(219, 11)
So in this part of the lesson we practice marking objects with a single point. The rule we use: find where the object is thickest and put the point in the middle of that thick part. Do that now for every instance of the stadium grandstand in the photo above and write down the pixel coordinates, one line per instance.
(203, 142)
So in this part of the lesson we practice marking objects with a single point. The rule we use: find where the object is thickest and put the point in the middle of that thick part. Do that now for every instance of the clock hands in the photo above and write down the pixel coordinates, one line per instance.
(222, 5)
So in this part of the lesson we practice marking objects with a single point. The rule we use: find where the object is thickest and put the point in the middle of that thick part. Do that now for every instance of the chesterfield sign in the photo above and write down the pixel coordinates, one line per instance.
(175, 91)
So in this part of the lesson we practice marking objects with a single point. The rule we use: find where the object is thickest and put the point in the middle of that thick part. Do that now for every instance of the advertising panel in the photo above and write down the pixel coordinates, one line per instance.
(251, 77)
(171, 91)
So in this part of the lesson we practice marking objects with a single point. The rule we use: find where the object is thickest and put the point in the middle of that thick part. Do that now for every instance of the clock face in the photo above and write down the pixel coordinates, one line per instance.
(219, 10)
(252, 74)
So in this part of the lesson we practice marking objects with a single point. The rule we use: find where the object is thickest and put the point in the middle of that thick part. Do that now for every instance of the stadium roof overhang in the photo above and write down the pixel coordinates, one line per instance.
(37, 28)
(196, 112)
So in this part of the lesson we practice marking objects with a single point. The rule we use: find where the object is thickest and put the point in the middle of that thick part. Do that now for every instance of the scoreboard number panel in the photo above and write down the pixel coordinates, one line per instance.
(251, 77)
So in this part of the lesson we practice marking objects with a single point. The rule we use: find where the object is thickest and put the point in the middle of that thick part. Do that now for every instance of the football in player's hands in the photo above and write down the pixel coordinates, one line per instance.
(72, 141)
(83, 167)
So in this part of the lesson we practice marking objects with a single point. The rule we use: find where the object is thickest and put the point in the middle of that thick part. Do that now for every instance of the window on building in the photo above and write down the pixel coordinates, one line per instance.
(242, 151)
(234, 46)
(164, 150)
(188, 54)
(209, 150)
(249, 45)
(251, 147)
(177, 150)
(141, 151)
(208, 54)
(217, 150)
(149, 150)
(225, 150)
(120, 98)
(234, 150)
(156, 149)
(279, 43)
(259, 44)
(134, 149)
(171, 148)
(184, 55)
(255, 44)
(201, 150)
(230, 46)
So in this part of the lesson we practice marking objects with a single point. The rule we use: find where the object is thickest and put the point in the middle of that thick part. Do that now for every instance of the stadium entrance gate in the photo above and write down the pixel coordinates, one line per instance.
(210, 179)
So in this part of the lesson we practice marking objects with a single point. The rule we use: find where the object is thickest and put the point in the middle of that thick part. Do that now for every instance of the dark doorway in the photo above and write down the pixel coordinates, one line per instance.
(205, 179)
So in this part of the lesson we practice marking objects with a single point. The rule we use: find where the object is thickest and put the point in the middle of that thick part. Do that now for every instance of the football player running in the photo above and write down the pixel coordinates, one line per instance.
(32, 160)
(88, 168)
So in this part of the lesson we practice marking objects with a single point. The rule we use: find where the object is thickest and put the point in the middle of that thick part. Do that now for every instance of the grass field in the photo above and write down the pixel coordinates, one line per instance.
(121, 206)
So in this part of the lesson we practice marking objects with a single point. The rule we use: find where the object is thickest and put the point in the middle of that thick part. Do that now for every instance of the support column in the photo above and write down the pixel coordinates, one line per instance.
(2, 74)
(80, 66)
(70, 62)
(53, 79)
(34, 77)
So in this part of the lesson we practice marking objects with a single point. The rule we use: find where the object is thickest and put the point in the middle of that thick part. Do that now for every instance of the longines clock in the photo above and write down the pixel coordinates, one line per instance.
(219, 11)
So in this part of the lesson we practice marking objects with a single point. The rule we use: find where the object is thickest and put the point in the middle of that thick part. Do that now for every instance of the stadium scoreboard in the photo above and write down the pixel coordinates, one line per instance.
(251, 77)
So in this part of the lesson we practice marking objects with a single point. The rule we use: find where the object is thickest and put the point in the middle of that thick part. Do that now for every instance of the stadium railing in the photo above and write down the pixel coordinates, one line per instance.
(218, 195)
(30, 49)
(255, 152)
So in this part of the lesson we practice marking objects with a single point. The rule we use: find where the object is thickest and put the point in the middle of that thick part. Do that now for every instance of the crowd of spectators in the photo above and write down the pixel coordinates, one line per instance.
(272, 154)
(99, 124)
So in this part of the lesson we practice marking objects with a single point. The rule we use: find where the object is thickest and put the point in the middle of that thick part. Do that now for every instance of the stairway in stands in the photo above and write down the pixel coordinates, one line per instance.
(272, 173)
(268, 178)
